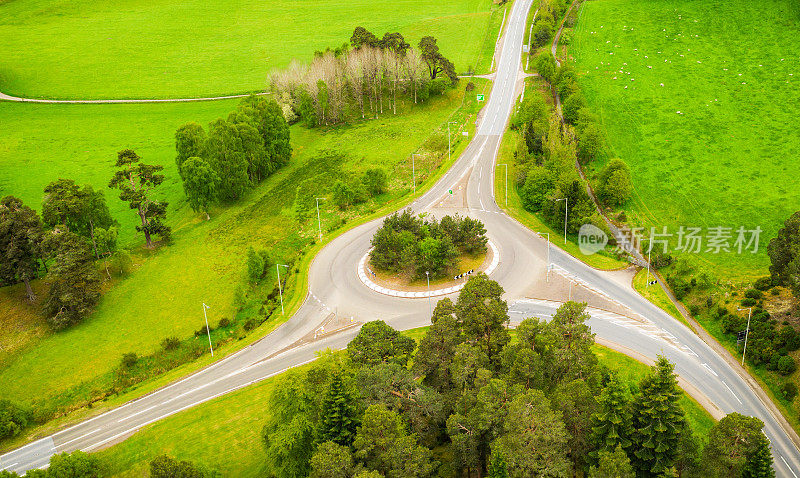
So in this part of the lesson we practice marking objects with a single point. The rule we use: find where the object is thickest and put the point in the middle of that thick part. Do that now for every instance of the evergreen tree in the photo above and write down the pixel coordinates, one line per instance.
(497, 467)
(731, 443)
(136, 181)
(612, 464)
(339, 414)
(200, 183)
(759, 462)
(657, 420)
(612, 423)
(20, 243)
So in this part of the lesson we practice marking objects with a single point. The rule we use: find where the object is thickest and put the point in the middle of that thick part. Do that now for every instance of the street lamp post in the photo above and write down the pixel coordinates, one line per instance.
(414, 171)
(448, 139)
(647, 286)
(319, 223)
(506, 189)
(746, 331)
(280, 290)
(428, 276)
(208, 330)
(566, 210)
(547, 273)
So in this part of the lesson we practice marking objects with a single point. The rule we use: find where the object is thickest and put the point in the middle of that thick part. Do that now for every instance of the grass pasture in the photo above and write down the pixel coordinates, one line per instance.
(700, 99)
(205, 263)
(179, 48)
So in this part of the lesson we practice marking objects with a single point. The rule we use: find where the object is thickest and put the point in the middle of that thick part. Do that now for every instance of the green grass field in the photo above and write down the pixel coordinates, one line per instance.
(205, 263)
(716, 144)
(186, 48)
(225, 433)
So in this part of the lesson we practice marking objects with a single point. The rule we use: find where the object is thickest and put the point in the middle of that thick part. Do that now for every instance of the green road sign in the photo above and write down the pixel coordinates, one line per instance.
(480, 97)
(450, 191)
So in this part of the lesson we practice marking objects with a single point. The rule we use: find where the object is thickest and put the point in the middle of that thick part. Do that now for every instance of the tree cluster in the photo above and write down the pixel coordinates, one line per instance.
(65, 465)
(164, 466)
(235, 153)
(470, 401)
(784, 255)
(417, 245)
(360, 81)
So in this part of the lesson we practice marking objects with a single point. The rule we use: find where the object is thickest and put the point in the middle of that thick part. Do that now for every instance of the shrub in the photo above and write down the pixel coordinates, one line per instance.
(763, 283)
(171, 343)
(129, 359)
(753, 294)
(571, 106)
(694, 309)
(74, 465)
(120, 264)
(375, 181)
(538, 186)
(256, 264)
(546, 66)
(542, 32)
(250, 324)
(13, 419)
(590, 141)
(470, 86)
(223, 322)
(786, 365)
(748, 302)
(789, 390)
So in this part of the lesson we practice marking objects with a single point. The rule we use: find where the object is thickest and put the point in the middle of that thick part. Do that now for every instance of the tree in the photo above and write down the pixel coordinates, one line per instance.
(759, 461)
(546, 65)
(256, 264)
(575, 400)
(542, 32)
(784, 255)
(190, 140)
(273, 129)
(538, 187)
(435, 255)
(200, 183)
(611, 426)
(383, 444)
(572, 357)
(339, 414)
(497, 466)
(730, 442)
(436, 62)
(438, 347)
(73, 465)
(377, 342)
(361, 37)
(614, 182)
(571, 106)
(13, 419)
(612, 464)
(20, 241)
(484, 315)
(63, 204)
(534, 438)
(164, 466)
(135, 181)
(331, 461)
(590, 141)
(657, 420)
(227, 156)
(343, 195)
(74, 280)
(375, 181)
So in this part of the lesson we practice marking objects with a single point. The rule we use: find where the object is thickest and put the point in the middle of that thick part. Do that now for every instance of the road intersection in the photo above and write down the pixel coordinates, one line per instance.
(336, 291)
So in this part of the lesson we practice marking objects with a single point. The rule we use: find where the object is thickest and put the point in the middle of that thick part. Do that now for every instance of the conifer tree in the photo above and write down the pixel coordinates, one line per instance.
(612, 424)
(657, 421)
(339, 415)
(759, 462)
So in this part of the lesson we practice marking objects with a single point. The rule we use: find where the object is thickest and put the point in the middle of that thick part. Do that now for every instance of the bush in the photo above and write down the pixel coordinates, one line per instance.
(129, 359)
(74, 465)
(375, 181)
(590, 141)
(614, 182)
(694, 309)
(120, 264)
(571, 106)
(171, 343)
(223, 322)
(786, 365)
(166, 467)
(753, 294)
(763, 283)
(748, 302)
(13, 419)
(250, 324)
(546, 66)
(538, 186)
(542, 32)
(256, 264)
(789, 390)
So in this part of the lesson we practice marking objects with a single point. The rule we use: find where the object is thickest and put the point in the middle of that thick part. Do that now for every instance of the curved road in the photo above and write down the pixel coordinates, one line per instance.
(335, 290)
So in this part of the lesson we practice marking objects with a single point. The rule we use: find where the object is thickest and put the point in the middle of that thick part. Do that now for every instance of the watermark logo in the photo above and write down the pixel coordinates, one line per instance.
(591, 239)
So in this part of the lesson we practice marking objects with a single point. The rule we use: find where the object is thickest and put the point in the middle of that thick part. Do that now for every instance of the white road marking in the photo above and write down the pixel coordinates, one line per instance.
(137, 413)
(705, 365)
(80, 437)
(787, 466)
(729, 389)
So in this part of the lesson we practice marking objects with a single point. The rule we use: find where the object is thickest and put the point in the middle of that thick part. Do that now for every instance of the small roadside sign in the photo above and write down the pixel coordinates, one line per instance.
(450, 191)
(465, 133)
(525, 48)
(479, 97)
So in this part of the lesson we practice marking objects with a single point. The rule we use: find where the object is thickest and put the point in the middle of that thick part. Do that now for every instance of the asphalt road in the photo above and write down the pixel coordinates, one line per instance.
(335, 289)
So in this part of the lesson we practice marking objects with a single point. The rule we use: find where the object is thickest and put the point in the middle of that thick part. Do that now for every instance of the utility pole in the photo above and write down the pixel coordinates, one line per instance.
(414, 171)
(280, 290)
(566, 210)
(448, 139)
(506, 165)
(428, 276)
(319, 223)
(647, 286)
(746, 331)
(208, 330)
(547, 273)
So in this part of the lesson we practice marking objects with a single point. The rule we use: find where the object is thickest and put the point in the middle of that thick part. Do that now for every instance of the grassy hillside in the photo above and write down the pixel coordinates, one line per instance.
(178, 48)
(225, 433)
(206, 262)
(700, 99)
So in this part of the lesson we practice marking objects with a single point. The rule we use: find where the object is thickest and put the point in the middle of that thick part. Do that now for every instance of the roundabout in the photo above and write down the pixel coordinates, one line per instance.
(367, 277)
